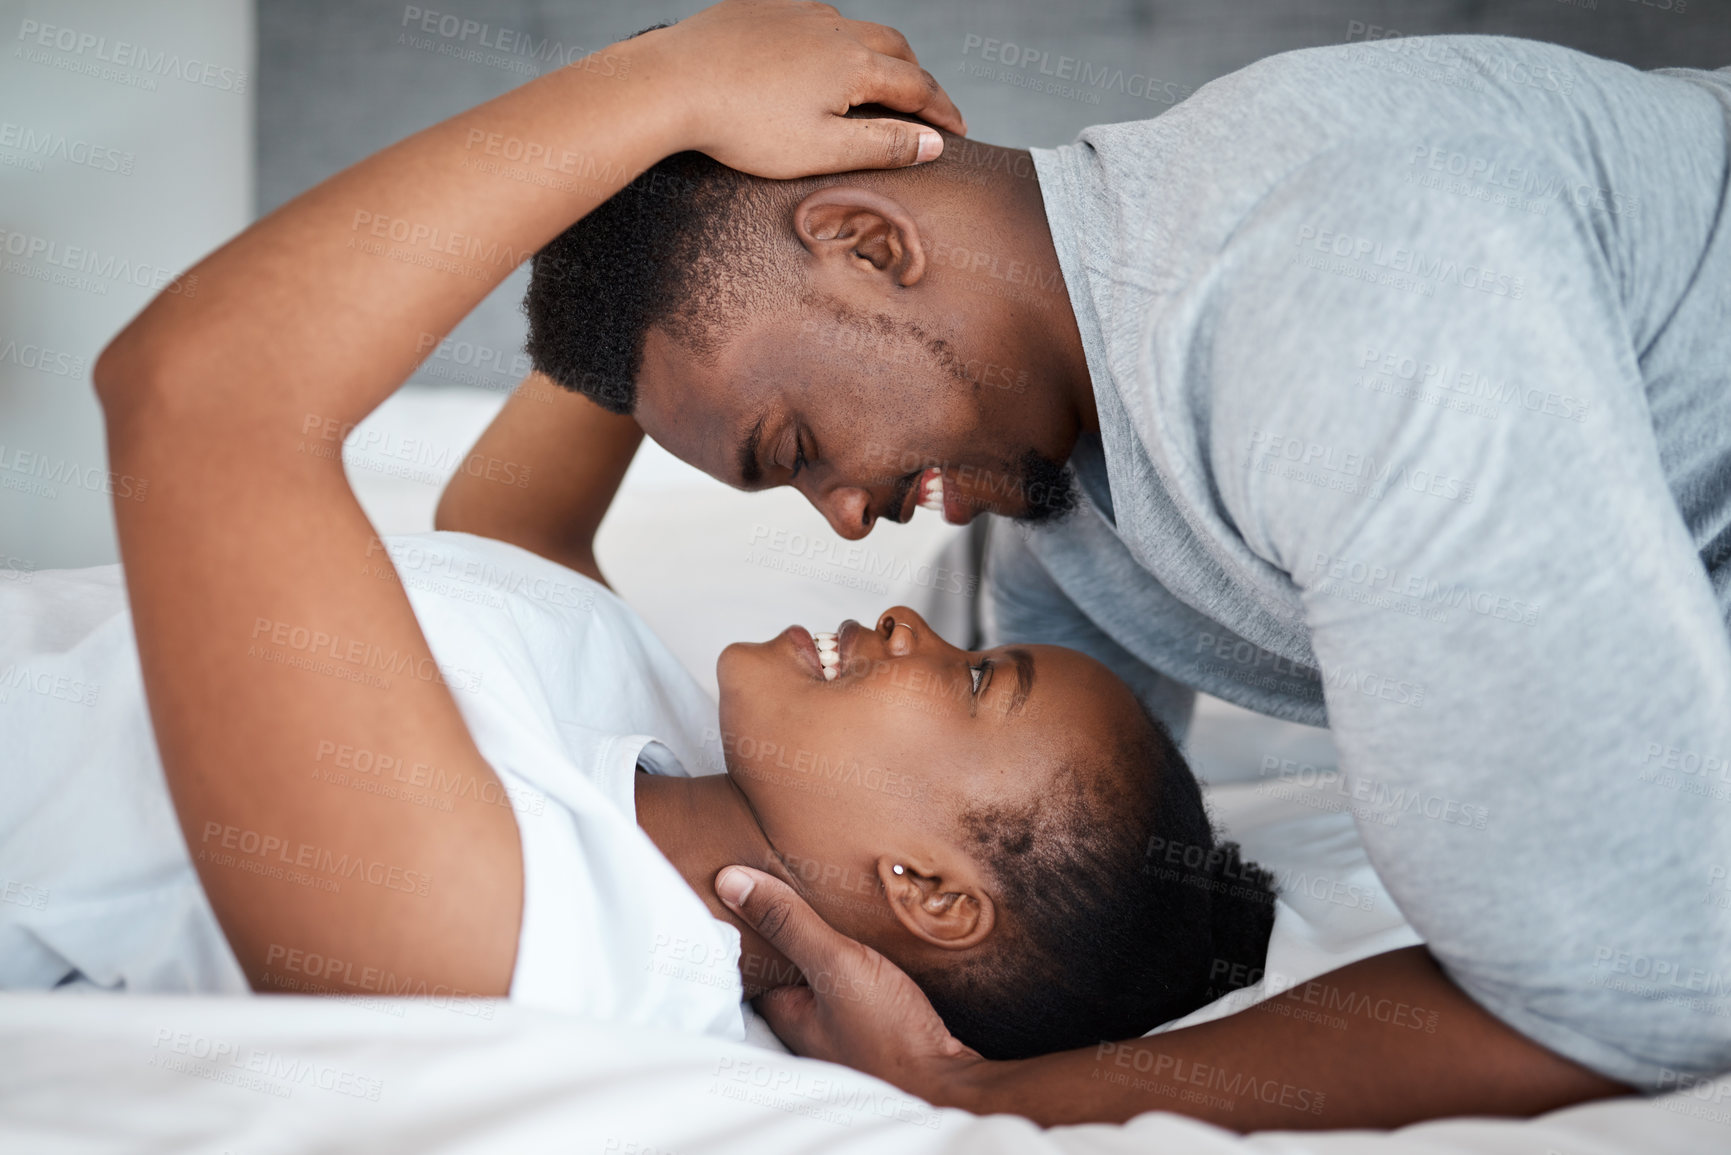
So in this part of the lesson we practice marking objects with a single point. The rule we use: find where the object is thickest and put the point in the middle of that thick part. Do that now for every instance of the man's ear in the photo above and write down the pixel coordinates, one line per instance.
(846, 226)
(946, 909)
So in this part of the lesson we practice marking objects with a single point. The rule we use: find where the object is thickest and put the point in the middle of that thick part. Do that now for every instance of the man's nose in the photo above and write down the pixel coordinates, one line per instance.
(848, 509)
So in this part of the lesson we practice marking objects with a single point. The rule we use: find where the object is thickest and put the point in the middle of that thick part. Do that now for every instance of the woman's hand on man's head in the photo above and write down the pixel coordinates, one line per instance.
(857, 1007)
(765, 85)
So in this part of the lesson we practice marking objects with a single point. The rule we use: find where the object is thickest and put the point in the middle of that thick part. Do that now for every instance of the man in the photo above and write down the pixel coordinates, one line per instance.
(1393, 382)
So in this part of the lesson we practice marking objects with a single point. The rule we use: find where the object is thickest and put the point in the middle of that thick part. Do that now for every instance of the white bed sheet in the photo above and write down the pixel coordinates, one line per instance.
(105, 1074)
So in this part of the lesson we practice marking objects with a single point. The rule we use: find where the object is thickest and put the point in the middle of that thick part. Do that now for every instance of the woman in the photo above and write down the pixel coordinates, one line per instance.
(980, 818)
(410, 766)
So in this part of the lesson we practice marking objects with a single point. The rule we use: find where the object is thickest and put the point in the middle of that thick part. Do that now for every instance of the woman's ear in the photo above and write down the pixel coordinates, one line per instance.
(845, 226)
(947, 908)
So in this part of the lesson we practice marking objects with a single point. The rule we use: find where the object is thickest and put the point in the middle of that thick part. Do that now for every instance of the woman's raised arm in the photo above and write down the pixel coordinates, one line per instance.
(264, 630)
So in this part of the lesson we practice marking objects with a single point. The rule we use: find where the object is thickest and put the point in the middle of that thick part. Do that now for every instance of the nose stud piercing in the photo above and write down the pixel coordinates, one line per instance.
(898, 870)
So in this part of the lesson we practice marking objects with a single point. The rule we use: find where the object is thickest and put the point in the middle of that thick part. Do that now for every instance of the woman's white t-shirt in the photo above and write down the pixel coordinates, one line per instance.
(565, 690)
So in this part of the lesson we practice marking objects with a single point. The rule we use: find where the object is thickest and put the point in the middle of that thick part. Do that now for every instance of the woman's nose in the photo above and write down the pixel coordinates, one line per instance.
(902, 630)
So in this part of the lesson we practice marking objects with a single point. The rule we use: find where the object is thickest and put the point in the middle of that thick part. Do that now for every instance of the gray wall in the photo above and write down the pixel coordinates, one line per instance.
(113, 170)
(341, 78)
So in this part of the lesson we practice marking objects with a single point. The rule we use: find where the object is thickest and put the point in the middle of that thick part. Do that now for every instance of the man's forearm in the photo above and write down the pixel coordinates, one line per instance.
(320, 310)
(1381, 1043)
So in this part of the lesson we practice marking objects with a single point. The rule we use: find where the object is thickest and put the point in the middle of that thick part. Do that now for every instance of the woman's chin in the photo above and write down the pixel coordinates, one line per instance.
(729, 656)
(730, 668)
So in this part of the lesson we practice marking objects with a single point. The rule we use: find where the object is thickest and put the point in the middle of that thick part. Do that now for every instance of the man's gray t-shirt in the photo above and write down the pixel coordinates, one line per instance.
(1413, 362)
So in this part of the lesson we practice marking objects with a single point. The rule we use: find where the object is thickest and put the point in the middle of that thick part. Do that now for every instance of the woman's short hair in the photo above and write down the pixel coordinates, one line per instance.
(1124, 910)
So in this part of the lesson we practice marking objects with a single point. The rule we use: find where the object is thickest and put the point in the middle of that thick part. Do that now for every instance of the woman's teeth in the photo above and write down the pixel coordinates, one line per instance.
(933, 497)
(828, 653)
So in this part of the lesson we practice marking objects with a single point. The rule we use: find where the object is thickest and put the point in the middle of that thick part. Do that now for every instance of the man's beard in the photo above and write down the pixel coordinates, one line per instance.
(1048, 488)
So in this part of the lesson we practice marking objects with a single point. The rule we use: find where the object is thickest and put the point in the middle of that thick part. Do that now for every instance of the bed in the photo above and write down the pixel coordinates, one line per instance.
(98, 1072)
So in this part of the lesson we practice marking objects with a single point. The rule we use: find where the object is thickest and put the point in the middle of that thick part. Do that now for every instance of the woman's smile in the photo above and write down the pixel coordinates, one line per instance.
(825, 654)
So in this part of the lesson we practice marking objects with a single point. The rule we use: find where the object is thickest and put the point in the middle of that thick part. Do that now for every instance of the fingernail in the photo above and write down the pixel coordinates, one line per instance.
(733, 885)
(931, 146)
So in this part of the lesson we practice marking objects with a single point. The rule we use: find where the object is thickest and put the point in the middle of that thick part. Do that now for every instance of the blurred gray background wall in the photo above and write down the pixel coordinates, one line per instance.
(125, 156)
(341, 78)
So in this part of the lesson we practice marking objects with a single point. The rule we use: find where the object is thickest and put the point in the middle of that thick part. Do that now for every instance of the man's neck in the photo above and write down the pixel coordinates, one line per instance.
(703, 824)
(1019, 203)
(996, 191)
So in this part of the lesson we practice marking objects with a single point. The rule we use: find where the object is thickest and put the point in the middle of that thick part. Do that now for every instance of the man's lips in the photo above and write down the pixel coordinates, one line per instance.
(916, 490)
(908, 491)
(943, 495)
(910, 494)
(958, 510)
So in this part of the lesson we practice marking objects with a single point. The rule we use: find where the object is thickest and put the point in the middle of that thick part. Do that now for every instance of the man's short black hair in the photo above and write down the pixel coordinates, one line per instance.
(1126, 911)
(690, 245)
